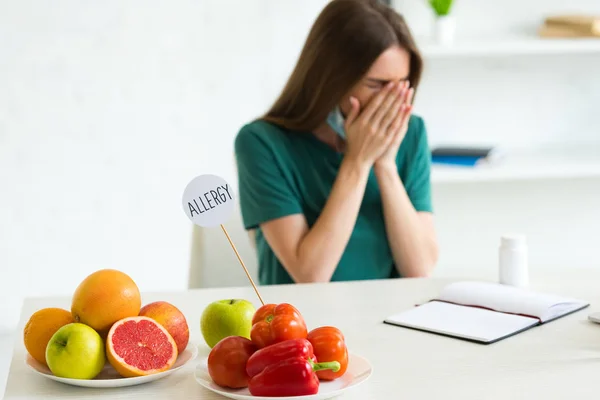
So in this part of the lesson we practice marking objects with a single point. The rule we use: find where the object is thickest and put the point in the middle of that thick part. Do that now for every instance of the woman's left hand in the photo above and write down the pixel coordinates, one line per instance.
(399, 126)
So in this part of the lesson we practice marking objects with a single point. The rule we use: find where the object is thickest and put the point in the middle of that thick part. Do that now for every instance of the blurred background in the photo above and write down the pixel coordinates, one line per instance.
(108, 109)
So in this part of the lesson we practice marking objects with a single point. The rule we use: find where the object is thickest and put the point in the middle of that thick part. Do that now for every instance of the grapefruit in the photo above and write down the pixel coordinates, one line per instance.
(105, 297)
(138, 346)
(172, 319)
(40, 328)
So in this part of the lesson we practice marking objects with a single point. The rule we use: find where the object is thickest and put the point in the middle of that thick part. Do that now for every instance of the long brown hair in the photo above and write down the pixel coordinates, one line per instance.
(345, 40)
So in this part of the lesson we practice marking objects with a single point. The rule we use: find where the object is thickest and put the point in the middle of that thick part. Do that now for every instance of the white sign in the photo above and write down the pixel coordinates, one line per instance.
(208, 200)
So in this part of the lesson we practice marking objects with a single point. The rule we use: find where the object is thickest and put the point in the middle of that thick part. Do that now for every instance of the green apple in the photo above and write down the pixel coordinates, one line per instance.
(223, 318)
(76, 351)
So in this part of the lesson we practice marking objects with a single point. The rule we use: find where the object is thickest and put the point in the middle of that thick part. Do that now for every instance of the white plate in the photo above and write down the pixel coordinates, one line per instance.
(359, 370)
(109, 378)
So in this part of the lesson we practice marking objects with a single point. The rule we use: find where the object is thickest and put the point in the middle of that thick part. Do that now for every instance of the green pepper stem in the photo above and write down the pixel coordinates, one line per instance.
(332, 365)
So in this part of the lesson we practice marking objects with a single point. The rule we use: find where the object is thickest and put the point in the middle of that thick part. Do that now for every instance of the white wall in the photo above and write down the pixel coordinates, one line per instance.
(108, 109)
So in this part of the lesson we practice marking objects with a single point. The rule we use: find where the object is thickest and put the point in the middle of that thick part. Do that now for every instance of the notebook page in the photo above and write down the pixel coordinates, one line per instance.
(460, 321)
(509, 299)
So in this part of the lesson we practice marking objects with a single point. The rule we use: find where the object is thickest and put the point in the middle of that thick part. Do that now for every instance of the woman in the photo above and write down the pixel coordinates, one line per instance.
(334, 179)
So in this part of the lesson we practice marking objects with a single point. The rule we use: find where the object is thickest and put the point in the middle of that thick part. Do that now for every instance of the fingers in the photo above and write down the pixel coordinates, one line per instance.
(408, 103)
(395, 109)
(375, 103)
(354, 110)
(401, 118)
(386, 106)
(398, 126)
(405, 111)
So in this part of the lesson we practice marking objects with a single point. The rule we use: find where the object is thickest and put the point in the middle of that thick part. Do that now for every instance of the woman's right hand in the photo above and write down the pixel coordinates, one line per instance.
(368, 133)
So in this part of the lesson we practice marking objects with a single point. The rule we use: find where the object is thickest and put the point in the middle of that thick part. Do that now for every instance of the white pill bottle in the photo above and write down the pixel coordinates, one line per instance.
(513, 261)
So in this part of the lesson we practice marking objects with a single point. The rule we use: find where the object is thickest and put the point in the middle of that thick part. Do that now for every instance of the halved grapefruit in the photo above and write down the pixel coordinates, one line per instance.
(138, 346)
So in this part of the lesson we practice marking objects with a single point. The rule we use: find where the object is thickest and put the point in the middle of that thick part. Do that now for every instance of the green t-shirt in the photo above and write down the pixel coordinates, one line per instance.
(283, 173)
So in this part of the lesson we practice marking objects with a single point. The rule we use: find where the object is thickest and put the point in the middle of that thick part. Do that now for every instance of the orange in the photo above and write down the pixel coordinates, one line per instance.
(105, 297)
(138, 346)
(39, 330)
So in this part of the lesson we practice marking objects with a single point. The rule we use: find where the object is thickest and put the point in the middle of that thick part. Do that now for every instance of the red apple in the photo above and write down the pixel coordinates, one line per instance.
(171, 319)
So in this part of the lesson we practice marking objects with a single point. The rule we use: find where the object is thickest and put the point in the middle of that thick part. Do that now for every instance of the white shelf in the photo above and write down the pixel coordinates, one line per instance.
(534, 164)
(511, 46)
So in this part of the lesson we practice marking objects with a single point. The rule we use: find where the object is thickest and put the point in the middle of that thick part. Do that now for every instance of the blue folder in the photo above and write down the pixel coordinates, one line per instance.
(456, 160)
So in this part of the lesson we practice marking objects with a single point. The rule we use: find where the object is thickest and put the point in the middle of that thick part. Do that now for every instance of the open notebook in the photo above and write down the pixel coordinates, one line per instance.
(485, 312)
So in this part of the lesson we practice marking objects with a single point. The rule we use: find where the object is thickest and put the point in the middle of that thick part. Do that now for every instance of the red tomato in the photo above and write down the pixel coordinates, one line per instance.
(329, 345)
(227, 362)
(274, 323)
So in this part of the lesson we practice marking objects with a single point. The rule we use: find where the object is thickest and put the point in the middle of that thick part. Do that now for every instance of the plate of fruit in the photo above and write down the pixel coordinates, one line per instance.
(108, 339)
(281, 358)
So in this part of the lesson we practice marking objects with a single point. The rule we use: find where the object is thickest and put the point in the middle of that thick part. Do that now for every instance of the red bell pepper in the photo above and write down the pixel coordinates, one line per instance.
(275, 353)
(274, 323)
(329, 345)
(285, 369)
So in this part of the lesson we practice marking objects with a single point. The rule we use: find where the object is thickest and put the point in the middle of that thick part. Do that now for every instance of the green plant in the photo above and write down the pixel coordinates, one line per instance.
(441, 7)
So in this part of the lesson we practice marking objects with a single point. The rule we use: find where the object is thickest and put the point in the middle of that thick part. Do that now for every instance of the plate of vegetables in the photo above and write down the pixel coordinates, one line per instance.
(282, 359)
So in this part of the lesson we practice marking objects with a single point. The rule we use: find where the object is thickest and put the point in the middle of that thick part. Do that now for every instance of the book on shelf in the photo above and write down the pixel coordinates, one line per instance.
(571, 26)
(470, 156)
(485, 312)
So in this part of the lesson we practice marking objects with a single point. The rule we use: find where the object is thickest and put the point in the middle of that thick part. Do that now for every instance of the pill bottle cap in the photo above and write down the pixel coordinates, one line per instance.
(513, 240)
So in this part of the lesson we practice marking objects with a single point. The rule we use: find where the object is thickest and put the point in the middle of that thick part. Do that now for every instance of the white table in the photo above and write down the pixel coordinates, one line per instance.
(555, 361)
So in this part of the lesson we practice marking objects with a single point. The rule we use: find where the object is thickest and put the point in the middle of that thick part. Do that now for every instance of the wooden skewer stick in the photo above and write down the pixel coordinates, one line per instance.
(243, 265)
